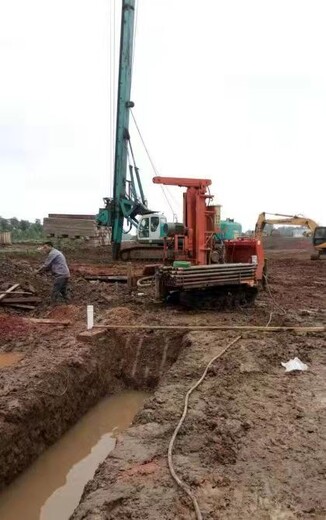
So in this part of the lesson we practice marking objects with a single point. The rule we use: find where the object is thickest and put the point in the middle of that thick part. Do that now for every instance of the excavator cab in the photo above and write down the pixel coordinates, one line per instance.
(319, 242)
(150, 229)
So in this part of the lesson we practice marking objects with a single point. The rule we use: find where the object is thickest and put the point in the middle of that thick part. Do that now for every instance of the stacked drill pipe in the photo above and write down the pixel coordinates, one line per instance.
(208, 275)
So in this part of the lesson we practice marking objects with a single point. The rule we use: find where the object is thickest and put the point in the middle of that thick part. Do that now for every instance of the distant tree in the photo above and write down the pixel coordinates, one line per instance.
(24, 225)
(37, 226)
(14, 223)
(22, 229)
(4, 224)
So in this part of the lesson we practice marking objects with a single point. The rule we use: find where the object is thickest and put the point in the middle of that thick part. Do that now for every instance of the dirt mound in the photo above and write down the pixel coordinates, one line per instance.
(119, 315)
(86, 269)
(24, 273)
(65, 312)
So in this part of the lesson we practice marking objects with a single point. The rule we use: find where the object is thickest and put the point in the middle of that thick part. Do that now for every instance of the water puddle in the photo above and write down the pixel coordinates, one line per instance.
(51, 488)
(10, 358)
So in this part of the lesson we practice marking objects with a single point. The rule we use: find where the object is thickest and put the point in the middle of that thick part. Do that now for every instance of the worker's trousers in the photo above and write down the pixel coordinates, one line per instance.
(60, 289)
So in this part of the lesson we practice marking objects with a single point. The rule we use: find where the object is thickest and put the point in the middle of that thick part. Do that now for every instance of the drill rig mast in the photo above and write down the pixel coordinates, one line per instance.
(128, 199)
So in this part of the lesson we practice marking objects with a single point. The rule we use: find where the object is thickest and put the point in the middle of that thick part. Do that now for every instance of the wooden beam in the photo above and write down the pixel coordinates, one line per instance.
(22, 306)
(45, 321)
(106, 278)
(8, 291)
(27, 293)
(21, 299)
(129, 276)
(213, 327)
(72, 216)
(91, 335)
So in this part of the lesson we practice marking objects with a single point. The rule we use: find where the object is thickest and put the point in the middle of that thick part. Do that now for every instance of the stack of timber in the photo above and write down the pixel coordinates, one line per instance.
(5, 238)
(19, 298)
(59, 225)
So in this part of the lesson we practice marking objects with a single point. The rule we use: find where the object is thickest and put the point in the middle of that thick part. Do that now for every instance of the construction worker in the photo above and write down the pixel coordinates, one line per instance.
(218, 246)
(56, 263)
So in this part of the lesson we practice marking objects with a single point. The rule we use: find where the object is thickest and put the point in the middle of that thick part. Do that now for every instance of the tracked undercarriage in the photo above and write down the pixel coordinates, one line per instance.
(131, 251)
(142, 253)
(217, 298)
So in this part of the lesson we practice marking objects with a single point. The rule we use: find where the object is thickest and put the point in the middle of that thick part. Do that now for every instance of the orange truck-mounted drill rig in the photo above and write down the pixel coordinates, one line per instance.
(233, 269)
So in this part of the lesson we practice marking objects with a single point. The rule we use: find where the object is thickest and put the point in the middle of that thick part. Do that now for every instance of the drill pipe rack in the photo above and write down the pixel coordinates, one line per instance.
(199, 276)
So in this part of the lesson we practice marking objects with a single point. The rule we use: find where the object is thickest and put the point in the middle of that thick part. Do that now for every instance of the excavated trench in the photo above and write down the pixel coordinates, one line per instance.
(40, 410)
(52, 485)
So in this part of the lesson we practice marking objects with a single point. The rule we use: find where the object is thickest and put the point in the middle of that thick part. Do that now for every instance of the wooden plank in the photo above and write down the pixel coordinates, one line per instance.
(75, 223)
(21, 306)
(106, 278)
(8, 291)
(70, 227)
(73, 217)
(130, 276)
(213, 327)
(46, 321)
(28, 293)
(66, 224)
(91, 335)
(21, 299)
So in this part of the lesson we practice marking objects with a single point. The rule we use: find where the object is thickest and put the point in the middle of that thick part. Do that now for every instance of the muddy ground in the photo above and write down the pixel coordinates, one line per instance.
(253, 444)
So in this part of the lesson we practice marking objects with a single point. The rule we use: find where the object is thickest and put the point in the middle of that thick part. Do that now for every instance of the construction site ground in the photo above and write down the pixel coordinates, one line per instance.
(253, 444)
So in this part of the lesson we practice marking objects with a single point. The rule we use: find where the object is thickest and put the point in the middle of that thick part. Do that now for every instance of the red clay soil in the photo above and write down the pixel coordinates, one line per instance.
(253, 444)
(106, 270)
(82, 292)
(12, 327)
(298, 282)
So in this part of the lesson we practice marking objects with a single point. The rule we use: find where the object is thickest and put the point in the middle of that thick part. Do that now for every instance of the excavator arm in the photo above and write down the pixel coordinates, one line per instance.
(287, 220)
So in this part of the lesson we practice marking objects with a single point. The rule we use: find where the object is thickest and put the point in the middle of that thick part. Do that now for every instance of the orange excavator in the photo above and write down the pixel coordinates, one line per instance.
(202, 264)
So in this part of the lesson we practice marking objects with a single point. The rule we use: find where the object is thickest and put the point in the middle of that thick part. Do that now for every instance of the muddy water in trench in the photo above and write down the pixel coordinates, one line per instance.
(51, 488)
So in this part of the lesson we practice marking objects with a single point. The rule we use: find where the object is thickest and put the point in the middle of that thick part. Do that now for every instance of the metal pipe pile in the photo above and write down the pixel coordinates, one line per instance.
(208, 275)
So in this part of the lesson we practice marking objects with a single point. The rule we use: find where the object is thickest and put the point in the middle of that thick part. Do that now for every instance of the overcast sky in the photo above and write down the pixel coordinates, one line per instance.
(231, 90)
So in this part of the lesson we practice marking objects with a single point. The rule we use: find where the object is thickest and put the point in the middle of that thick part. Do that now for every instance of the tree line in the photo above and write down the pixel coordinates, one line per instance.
(22, 229)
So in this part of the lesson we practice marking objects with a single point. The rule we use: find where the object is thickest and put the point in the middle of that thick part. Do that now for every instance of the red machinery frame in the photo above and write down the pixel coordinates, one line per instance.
(198, 217)
(195, 240)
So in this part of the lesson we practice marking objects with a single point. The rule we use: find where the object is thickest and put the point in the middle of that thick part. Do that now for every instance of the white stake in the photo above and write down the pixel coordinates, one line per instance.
(90, 317)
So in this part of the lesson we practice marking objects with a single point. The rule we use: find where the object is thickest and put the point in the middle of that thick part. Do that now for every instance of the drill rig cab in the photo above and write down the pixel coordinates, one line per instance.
(151, 229)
